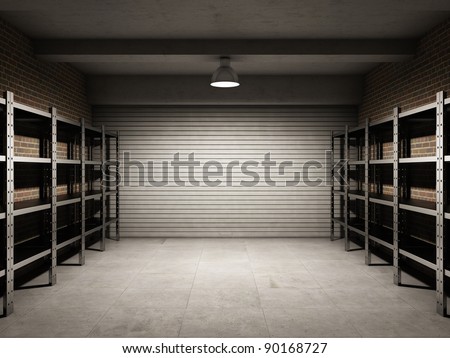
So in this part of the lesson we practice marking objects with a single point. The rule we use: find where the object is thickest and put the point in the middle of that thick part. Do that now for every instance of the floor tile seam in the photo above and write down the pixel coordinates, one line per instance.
(190, 293)
(257, 290)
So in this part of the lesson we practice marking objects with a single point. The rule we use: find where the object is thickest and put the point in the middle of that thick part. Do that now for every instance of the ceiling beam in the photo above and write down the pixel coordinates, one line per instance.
(254, 90)
(86, 50)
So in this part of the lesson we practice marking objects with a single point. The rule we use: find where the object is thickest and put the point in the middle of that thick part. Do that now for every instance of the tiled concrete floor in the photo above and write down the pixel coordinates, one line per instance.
(225, 288)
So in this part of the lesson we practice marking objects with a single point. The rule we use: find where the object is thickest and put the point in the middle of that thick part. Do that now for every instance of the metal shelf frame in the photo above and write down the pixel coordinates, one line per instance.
(339, 173)
(398, 199)
(55, 237)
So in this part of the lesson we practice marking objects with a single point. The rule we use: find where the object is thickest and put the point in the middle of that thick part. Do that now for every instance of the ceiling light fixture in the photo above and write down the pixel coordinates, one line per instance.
(224, 76)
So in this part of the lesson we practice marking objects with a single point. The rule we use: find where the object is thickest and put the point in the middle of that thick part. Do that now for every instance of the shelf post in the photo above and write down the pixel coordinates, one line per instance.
(117, 187)
(441, 298)
(396, 197)
(346, 189)
(8, 297)
(82, 254)
(54, 255)
(368, 255)
(331, 173)
(103, 188)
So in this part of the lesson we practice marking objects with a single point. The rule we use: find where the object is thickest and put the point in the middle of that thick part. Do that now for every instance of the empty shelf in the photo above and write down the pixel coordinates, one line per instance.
(67, 199)
(417, 110)
(357, 194)
(93, 194)
(31, 206)
(93, 162)
(32, 160)
(381, 199)
(110, 134)
(2, 273)
(110, 221)
(381, 234)
(355, 130)
(381, 161)
(381, 121)
(357, 225)
(29, 256)
(29, 109)
(93, 225)
(340, 221)
(68, 235)
(2, 215)
(2, 158)
(75, 124)
(93, 130)
(447, 273)
(356, 162)
(381, 242)
(339, 192)
(69, 161)
(30, 251)
(419, 250)
(418, 259)
(419, 206)
(417, 160)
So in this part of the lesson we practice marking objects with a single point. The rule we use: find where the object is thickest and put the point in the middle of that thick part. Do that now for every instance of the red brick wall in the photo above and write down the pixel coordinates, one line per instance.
(407, 85)
(41, 85)
(411, 83)
(37, 83)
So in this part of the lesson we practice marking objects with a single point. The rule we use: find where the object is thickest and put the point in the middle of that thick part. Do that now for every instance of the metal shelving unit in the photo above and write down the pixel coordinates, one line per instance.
(33, 170)
(402, 175)
(54, 220)
(339, 189)
(94, 195)
(68, 201)
(111, 178)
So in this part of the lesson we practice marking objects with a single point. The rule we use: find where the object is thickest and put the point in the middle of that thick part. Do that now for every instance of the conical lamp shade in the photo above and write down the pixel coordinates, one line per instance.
(224, 76)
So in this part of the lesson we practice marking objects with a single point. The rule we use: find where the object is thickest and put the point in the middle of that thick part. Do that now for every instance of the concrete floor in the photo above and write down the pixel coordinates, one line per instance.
(225, 288)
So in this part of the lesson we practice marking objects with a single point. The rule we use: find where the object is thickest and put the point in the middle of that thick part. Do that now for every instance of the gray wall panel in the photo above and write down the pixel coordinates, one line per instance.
(290, 133)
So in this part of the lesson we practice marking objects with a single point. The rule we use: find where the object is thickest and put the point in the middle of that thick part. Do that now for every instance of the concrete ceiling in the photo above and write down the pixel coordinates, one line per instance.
(268, 37)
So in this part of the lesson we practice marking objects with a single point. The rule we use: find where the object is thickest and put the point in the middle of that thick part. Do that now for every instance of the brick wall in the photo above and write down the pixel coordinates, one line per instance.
(411, 83)
(37, 83)
(41, 85)
(407, 85)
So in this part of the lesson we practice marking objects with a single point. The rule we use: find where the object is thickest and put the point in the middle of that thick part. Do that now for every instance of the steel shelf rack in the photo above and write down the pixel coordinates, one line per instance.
(69, 199)
(406, 206)
(64, 202)
(339, 189)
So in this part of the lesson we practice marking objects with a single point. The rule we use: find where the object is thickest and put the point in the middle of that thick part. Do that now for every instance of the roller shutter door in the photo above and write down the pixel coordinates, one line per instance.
(153, 135)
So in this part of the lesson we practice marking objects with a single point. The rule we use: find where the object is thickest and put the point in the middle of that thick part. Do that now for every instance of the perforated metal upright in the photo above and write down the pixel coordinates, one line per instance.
(54, 241)
(367, 253)
(331, 173)
(103, 189)
(82, 254)
(396, 198)
(8, 297)
(346, 189)
(441, 298)
(117, 187)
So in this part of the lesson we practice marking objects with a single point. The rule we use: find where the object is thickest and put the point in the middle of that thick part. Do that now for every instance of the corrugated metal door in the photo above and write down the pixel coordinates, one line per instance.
(228, 136)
